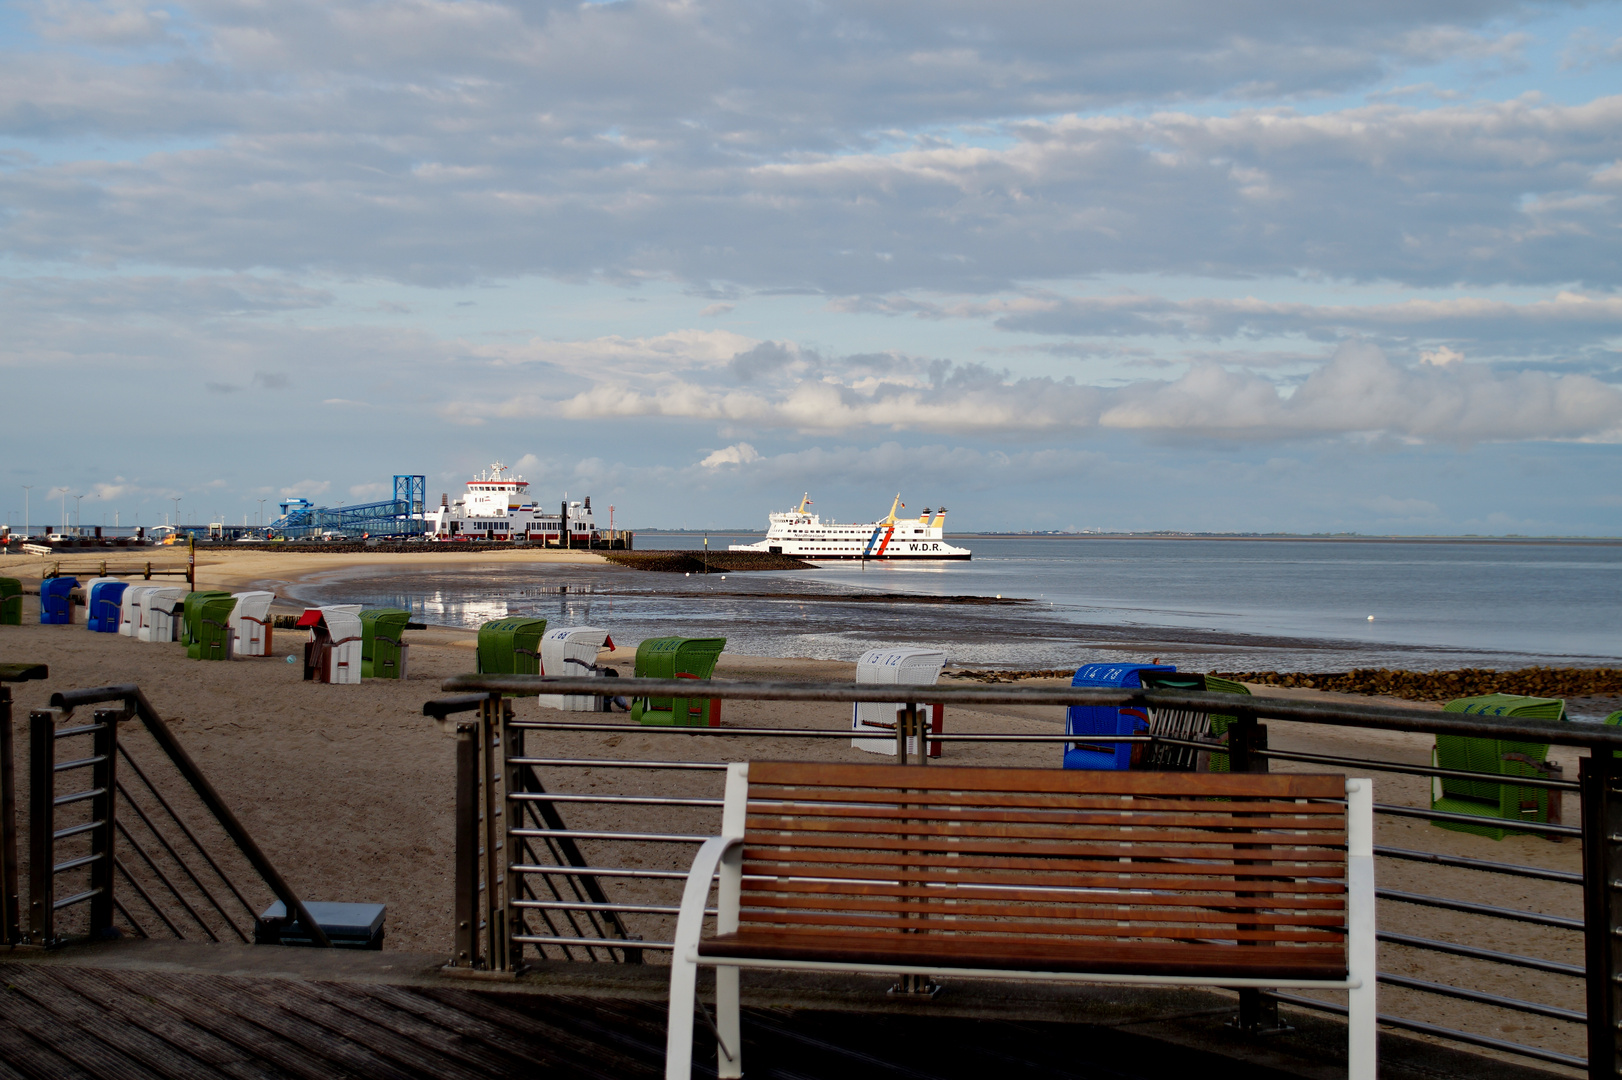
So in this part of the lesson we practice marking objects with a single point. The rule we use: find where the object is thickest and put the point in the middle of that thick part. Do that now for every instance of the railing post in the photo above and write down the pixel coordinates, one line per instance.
(469, 850)
(502, 884)
(103, 807)
(10, 916)
(42, 826)
(1601, 778)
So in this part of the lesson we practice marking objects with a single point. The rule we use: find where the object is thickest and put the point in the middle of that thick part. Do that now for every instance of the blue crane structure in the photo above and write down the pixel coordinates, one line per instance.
(390, 517)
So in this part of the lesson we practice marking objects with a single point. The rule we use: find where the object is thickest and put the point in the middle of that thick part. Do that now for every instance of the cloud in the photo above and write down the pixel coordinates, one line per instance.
(737, 454)
(718, 309)
(373, 490)
(271, 380)
(307, 489)
(221, 388)
(1358, 391)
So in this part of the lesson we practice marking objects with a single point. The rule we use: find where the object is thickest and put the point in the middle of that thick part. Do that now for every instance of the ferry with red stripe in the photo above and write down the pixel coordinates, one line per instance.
(803, 534)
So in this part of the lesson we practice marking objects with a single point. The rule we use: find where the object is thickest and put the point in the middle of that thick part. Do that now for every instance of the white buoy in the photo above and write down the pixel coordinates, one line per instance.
(1371, 618)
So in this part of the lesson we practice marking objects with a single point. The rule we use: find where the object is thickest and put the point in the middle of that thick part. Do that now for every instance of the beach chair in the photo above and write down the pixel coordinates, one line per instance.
(1107, 719)
(191, 627)
(214, 638)
(511, 646)
(129, 613)
(382, 652)
(159, 607)
(56, 600)
(1498, 757)
(895, 667)
(251, 623)
(11, 602)
(332, 655)
(678, 658)
(1188, 724)
(571, 652)
(105, 603)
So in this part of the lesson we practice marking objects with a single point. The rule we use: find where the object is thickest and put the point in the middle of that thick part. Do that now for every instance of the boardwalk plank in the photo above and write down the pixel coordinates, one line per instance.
(47, 989)
(163, 1021)
(86, 1051)
(257, 1041)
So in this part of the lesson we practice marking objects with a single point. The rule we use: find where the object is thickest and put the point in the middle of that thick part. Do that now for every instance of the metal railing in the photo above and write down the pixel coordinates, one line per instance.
(124, 831)
(11, 922)
(657, 856)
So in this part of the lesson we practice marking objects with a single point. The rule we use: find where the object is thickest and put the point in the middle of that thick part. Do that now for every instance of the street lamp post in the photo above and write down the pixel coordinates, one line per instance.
(77, 520)
(176, 501)
(26, 489)
(261, 513)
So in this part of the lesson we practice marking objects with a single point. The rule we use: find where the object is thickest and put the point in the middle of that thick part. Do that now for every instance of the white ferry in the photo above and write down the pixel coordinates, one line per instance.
(801, 533)
(495, 507)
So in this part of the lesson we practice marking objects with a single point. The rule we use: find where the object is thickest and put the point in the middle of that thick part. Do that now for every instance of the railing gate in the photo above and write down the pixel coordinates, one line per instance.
(1601, 780)
(47, 770)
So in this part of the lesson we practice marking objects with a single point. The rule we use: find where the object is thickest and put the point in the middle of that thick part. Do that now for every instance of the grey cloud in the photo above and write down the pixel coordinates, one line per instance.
(271, 380)
(221, 388)
(728, 144)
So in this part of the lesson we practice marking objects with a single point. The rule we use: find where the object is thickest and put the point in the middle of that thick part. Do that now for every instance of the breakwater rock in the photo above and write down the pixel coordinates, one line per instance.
(696, 562)
(1395, 682)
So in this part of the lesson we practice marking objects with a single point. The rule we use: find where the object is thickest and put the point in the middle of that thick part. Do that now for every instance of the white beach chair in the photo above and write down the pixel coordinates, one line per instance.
(251, 623)
(160, 614)
(894, 667)
(571, 652)
(129, 611)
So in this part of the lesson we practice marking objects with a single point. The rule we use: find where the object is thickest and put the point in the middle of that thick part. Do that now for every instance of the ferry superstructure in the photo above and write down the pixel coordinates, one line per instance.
(495, 507)
(805, 535)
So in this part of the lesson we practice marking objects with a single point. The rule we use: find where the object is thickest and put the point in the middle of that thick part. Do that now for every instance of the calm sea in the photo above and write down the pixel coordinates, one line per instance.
(1203, 604)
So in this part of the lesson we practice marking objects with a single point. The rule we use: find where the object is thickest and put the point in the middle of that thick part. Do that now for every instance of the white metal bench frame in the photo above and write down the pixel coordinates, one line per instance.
(723, 855)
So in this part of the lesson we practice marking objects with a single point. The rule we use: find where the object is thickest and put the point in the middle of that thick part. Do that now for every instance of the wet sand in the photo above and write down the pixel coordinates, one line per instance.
(350, 790)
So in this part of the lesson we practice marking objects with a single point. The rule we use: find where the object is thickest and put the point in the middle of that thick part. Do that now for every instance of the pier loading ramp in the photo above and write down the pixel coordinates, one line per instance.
(401, 513)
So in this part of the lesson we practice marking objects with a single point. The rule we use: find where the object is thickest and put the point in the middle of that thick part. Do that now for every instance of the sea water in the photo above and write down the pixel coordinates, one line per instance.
(1202, 604)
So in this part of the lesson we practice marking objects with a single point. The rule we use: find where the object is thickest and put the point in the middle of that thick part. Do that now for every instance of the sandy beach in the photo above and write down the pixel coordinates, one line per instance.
(349, 789)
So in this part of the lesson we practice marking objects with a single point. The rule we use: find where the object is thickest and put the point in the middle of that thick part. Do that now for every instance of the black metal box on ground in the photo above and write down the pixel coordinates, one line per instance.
(348, 926)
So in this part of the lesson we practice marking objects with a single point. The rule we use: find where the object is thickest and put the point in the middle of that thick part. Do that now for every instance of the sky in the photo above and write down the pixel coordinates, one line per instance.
(1259, 266)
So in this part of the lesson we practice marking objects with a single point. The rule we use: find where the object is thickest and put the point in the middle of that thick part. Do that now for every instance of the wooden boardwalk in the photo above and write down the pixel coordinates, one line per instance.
(61, 1022)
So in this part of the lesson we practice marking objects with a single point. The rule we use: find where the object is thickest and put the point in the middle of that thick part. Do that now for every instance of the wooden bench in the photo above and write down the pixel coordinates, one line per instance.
(1245, 880)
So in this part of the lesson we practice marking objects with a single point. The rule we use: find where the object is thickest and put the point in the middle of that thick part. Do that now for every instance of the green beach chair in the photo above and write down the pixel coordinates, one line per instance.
(678, 658)
(11, 602)
(511, 647)
(191, 620)
(212, 623)
(1499, 757)
(1612, 721)
(382, 652)
(1185, 723)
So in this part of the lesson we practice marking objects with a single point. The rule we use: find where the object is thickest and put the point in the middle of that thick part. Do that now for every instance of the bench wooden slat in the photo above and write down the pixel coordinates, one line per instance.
(1057, 815)
(1053, 781)
(967, 891)
(772, 871)
(1233, 833)
(971, 931)
(963, 910)
(1029, 847)
(1147, 805)
(763, 859)
(1138, 958)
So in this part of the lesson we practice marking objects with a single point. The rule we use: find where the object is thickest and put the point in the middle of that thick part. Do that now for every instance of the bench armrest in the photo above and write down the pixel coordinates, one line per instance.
(715, 852)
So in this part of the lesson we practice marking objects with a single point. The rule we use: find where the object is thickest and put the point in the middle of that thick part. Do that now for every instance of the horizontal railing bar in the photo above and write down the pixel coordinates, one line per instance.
(1384, 717)
(1440, 1032)
(78, 796)
(1536, 963)
(1419, 770)
(581, 834)
(1510, 824)
(76, 898)
(80, 763)
(614, 763)
(1508, 869)
(74, 864)
(626, 909)
(595, 871)
(593, 943)
(75, 830)
(1537, 1008)
(1535, 917)
(644, 800)
(825, 733)
(78, 729)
